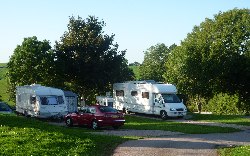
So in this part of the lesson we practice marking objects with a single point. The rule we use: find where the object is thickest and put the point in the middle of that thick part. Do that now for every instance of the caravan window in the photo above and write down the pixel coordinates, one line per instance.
(51, 100)
(145, 95)
(119, 92)
(60, 100)
(32, 99)
(134, 93)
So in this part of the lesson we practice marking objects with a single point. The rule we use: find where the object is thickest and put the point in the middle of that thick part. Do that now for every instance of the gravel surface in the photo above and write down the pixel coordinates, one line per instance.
(165, 143)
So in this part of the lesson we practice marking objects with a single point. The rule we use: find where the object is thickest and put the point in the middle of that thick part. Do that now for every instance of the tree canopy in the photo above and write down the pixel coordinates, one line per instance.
(214, 57)
(31, 62)
(88, 59)
(153, 65)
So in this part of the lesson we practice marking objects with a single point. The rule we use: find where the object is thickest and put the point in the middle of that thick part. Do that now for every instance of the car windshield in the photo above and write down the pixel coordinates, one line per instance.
(108, 109)
(171, 98)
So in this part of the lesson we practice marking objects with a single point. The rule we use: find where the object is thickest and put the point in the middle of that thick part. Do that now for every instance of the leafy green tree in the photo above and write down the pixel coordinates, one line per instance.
(153, 65)
(88, 60)
(31, 62)
(214, 57)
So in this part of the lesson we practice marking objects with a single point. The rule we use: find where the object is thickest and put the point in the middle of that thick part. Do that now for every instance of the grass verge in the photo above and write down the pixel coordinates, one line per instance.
(236, 151)
(142, 123)
(229, 119)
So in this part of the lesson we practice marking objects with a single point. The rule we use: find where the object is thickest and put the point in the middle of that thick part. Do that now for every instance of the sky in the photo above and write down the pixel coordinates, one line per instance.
(137, 24)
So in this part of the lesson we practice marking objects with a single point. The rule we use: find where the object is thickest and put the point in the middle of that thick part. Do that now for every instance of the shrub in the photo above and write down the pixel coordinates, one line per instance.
(225, 104)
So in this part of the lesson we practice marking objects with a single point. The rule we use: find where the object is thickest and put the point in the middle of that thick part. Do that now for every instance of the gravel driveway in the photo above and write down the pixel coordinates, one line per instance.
(179, 144)
(165, 143)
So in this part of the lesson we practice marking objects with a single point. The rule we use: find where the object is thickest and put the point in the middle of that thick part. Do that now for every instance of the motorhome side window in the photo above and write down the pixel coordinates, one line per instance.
(145, 95)
(134, 93)
(119, 92)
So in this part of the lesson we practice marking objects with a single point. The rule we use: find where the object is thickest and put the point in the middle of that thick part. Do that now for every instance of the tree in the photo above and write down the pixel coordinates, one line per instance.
(214, 57)
(153, 65)
(31, 62)
(88, 59)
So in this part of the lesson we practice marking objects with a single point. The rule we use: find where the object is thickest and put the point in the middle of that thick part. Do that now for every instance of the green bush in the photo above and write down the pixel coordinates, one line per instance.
(225, 104)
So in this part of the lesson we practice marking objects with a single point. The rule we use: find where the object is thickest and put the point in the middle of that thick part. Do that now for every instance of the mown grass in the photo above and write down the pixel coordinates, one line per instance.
(142, 123)
(27, 136)
(229, 119)
(236, 151)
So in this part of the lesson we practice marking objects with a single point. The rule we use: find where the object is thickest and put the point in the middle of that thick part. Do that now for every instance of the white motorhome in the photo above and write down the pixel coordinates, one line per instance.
(148, 97)
(40, 101)
(105, 100)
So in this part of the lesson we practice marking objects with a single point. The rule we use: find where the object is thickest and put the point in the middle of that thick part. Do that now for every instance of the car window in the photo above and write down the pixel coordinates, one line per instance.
(92, 110)
(108, 109)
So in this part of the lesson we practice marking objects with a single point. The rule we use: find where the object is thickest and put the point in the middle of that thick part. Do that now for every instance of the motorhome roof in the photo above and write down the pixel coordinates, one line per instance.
(164, 88)
(144, 82)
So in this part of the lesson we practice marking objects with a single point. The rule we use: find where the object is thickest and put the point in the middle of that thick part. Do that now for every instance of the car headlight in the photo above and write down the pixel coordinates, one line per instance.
(172, 109)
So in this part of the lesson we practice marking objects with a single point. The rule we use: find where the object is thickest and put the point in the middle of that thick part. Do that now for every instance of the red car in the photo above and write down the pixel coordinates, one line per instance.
(96, 116)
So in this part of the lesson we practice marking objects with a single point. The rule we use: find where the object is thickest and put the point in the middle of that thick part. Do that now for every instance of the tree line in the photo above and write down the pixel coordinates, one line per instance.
(211, 65)
(84, 60)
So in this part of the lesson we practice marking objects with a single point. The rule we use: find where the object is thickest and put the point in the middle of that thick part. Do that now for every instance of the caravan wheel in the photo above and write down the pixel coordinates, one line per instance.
(164, 115)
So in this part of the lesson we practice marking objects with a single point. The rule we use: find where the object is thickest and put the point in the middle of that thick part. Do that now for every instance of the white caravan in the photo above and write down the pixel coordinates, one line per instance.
(40, 101)
(148, 97)
(105, 100)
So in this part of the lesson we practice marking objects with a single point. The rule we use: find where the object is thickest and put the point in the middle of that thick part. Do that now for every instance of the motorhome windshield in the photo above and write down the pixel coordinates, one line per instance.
(51, 100)
(171, 98)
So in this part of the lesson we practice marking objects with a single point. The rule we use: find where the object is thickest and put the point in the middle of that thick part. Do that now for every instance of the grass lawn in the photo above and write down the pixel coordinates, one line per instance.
(230, 119)
(27, 136)
(141, 123)
(236, 151)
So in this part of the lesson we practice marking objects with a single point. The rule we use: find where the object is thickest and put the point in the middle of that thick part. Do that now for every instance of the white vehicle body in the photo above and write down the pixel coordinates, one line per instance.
(148, 97)
(40, 101)
(71, 101)
(105, 100)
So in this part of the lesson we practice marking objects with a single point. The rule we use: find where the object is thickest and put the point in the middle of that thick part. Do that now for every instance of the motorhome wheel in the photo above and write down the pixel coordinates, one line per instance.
(164, 115)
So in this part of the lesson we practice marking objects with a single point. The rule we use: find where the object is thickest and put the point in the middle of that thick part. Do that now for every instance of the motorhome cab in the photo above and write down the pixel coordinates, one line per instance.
(40, 101)
(148, 97)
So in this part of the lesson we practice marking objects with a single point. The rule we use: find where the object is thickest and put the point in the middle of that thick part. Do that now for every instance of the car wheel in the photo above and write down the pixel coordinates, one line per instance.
(69, 122)
(164, 115)
(94, 125)
(116, 127)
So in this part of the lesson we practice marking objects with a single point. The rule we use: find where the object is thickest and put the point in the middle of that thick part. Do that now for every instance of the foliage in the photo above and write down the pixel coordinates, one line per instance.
(214, 57)
(135, 70)
(134, 64)
(152, 67)
(223, 103)
(31, 62)
(88, 59)
(235, 151)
